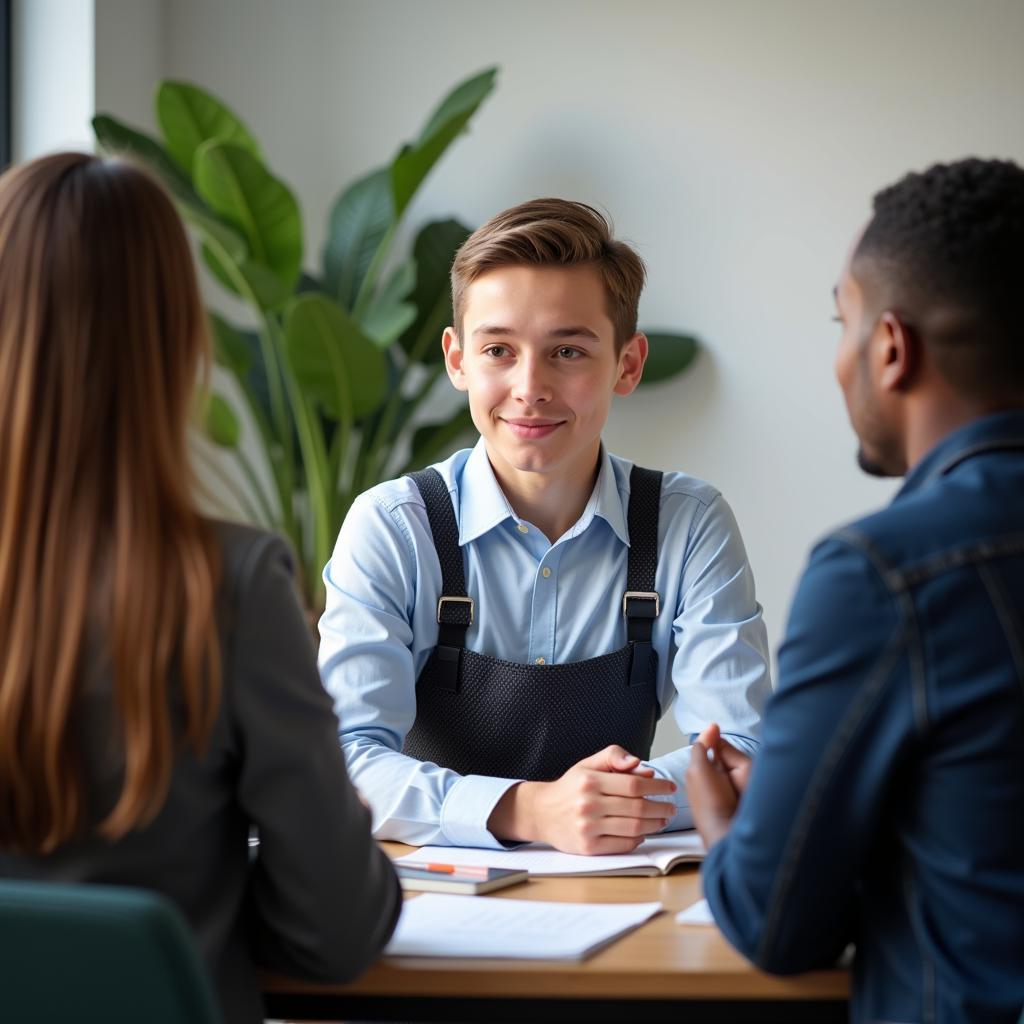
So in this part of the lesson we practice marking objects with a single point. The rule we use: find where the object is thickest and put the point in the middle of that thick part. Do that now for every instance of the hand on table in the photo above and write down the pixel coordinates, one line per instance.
(715, 780)
(602, 804)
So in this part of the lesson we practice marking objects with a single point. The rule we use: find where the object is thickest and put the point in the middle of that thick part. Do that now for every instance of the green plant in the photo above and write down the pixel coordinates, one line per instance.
(339, 364)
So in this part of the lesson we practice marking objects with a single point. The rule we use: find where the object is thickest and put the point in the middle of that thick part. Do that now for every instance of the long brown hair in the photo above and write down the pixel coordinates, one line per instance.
(102, 336)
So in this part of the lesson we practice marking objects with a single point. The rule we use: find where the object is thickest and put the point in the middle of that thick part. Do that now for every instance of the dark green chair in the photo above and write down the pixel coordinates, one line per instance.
(71, 954)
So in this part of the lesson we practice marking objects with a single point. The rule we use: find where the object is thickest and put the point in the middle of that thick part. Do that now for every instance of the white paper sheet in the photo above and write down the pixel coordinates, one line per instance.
(436, 924)
(540, 859)
(699, 913)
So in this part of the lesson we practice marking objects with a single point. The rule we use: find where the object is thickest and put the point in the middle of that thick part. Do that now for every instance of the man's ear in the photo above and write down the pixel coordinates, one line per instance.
(898, 352)
(453, 359)
(631, 363)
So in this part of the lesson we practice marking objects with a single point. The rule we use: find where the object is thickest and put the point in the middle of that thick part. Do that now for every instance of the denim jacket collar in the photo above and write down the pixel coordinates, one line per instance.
(1001, 430)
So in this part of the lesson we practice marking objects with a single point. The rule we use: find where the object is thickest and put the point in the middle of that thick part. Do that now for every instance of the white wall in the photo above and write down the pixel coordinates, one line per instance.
(52, 75)
(72, 58)
(736, 143)
(128, 58)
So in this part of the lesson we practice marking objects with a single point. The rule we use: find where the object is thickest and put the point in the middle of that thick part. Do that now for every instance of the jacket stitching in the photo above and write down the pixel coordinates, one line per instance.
(915, 647)
(1000, 445)
(971, 554)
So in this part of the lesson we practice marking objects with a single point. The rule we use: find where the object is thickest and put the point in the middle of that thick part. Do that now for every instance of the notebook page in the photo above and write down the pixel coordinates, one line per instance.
(681, 847)
(656, 852)
(538, 859)
(475, 926)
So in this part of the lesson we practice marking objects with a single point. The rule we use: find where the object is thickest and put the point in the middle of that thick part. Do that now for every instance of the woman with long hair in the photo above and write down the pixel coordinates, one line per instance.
(159, 695)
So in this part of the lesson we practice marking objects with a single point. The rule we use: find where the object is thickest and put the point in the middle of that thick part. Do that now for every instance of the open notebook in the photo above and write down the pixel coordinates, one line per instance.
(654, 856)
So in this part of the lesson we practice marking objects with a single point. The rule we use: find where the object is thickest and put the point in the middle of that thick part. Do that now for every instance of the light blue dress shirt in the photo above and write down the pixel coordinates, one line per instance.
(536, 602)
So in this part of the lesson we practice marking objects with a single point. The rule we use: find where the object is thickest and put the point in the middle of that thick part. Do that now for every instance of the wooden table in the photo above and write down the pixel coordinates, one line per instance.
(660, 971)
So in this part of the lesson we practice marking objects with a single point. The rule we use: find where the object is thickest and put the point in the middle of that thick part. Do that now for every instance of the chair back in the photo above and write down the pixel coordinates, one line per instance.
(71, 953)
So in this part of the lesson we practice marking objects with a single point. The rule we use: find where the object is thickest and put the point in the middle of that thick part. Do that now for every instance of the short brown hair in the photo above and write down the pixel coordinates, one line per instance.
(553, 233)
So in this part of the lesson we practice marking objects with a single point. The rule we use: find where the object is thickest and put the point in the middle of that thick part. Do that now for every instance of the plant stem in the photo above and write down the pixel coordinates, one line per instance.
(236, 492)
(339, 450)
(256, 486)
(314, 460)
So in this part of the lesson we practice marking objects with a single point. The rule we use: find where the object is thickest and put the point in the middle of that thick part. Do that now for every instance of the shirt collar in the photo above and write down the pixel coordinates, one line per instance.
(482, 502)
(483, 505)
(606, 501)
(1001, 430)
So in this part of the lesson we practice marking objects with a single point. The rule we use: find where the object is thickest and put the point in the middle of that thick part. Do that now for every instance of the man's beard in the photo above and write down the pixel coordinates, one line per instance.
(869, 466)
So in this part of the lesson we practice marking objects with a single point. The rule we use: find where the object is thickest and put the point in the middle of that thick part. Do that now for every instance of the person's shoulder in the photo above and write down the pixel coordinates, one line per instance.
(674, 483)
(245, 548)
(859, 556)
(392, 496)
(886, 537)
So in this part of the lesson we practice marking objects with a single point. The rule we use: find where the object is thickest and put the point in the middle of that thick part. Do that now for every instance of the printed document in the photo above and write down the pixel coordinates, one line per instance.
(436, 924)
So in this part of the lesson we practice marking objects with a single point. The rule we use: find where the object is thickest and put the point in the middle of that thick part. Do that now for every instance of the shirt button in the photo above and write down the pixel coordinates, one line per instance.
(545, 572)
(539, 661)
(523, 528)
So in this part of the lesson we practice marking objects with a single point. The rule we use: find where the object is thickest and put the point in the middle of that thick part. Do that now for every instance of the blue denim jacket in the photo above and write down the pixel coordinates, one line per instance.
(886, 807)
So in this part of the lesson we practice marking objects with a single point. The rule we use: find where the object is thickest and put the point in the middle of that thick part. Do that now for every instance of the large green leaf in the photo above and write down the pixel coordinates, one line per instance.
(231, 348)
(237, 186)
(415, 160)
(188, 117)
(118, 139)
(359, 221)
(669, 355)
(334, 362)
(433, 251)
(258, 282)
(222, 426)
(391, 312)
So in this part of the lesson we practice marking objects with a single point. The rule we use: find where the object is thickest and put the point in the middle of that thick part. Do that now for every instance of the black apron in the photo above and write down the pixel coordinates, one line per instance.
(480, 715)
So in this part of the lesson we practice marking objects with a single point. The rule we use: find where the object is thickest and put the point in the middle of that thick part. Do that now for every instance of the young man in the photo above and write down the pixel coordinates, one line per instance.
(504, 630)
(886, 806)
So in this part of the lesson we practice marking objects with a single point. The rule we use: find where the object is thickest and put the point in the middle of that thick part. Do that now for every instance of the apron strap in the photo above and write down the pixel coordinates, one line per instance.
(455, 607)
(641, 603)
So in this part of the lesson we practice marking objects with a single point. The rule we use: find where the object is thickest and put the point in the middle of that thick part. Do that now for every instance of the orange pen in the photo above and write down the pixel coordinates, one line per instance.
(448, 869)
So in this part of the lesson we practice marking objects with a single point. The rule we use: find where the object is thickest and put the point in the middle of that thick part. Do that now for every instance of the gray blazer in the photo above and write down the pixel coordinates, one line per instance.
(318, 899)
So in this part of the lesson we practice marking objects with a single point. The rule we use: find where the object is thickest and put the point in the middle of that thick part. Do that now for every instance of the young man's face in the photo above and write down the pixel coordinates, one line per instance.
(537, 359)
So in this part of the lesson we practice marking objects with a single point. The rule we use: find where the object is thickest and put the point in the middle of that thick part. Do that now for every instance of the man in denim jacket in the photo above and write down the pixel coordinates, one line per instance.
(886, 807)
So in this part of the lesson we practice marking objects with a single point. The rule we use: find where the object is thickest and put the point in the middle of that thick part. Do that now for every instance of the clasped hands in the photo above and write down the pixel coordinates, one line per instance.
(715, 780)
(606, 803)
(609, 802)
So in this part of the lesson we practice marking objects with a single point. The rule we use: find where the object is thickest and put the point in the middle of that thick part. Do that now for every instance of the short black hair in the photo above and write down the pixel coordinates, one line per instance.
(947, 248)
